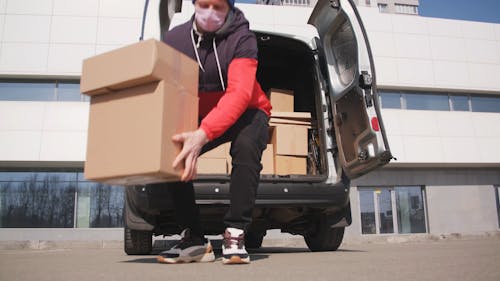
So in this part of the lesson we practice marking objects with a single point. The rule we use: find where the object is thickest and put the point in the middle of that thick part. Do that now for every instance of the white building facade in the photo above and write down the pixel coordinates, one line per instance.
(440, 104)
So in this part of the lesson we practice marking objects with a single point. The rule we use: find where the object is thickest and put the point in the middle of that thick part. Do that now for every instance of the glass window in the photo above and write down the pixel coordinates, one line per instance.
(391, 100)
(459, 103)
(384, 202)
(68, 91)
(427, 102)
(485, 104)
(36, 176)
(100, 205)
(406, 9)
(368, 225)
(410, 209)
(383, 207)
(47, 199)
(27, 91)
(382, 8)
(33, 203)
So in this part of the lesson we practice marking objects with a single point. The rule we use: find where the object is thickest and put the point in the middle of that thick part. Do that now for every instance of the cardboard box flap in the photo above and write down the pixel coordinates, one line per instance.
(146, 61)
(298, 116)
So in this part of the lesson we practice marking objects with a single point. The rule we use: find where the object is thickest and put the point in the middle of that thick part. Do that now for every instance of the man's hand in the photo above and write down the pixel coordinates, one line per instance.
(191, 143)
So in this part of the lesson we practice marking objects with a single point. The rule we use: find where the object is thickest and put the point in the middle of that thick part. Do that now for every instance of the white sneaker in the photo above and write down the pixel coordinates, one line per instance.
(233, 247)
(189, 249)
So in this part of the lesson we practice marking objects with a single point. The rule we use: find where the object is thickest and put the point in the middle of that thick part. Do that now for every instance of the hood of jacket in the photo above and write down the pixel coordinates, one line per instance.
(214, 51)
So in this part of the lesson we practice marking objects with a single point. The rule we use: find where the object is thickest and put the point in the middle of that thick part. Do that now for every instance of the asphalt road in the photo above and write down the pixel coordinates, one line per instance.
(462, 260)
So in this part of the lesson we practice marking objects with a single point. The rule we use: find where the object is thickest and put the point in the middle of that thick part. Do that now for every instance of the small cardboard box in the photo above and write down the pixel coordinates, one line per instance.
(281, 100)
(290, 165)
(212, 166)
(141, 95)
(290, 140)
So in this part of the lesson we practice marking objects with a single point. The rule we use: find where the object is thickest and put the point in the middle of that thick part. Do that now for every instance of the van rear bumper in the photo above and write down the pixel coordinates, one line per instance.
(279, 194)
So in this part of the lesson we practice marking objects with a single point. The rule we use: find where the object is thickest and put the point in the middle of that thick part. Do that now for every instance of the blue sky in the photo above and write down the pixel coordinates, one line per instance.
(474, 10)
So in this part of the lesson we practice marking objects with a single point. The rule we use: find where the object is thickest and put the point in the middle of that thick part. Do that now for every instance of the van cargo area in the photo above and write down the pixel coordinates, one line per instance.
(287, 65)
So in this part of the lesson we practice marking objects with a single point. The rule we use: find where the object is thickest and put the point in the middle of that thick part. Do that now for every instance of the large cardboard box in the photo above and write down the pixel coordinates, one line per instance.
(290, 165)
(212, 165)
(290, 140)
(214, 161)
(281, 100)
(141, 95)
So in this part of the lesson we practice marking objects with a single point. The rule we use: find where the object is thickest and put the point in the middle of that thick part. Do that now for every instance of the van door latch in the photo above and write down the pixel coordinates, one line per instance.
(363, 155)
(365, 80)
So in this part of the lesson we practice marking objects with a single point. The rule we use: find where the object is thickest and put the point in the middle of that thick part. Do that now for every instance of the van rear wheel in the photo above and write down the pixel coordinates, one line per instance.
(137, 242)
(323, 237)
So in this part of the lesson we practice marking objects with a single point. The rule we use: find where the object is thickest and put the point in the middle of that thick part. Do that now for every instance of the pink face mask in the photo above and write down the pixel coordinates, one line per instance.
(208, 19)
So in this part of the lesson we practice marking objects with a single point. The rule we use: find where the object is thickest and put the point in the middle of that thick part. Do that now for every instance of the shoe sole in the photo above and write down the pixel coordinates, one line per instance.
(207, 257)
(236, 260)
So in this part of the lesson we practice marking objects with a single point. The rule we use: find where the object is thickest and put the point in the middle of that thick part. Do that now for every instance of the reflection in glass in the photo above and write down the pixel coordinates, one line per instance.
(427, 102)
(385, 210)
(37, 202)
(100, 205)
(27, 91)
(459, 103)
(27, 176)
(485, 104)
(391, 100)
(68, 91)
(367, 212)
(410, 208)
(47, 199)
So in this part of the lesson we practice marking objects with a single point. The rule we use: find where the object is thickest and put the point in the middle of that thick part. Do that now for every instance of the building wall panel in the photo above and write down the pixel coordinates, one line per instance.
(24, 58)
(29, 7)
(89, 8)
(26, 29)
(453, 209)
(67, 58)
(74, 30)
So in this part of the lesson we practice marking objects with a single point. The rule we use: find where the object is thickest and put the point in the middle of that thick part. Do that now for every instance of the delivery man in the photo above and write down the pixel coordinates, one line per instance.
(232, 107)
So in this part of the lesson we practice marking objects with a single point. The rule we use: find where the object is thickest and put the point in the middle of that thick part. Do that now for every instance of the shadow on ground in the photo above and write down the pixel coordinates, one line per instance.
(255, 254)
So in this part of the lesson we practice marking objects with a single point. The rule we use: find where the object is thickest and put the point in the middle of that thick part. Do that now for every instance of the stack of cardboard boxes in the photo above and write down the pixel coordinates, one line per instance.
(287, 148)
(141, 95)
(289, 134)
(215, 161)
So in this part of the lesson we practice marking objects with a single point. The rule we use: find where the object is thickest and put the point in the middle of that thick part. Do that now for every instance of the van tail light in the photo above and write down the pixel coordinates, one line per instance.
(375, 124)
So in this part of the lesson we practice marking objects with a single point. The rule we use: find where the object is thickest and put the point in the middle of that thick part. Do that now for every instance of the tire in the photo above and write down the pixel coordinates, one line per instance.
(324, 238)
(137, 242)
(253, 240)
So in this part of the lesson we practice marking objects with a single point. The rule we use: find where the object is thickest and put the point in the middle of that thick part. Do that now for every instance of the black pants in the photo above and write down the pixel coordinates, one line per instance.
(248, 137)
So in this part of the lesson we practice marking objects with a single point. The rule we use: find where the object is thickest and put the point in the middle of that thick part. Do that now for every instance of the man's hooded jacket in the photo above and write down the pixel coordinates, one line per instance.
(228, 66)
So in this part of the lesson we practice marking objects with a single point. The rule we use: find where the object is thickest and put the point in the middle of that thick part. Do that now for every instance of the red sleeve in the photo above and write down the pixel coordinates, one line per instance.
(240, 83)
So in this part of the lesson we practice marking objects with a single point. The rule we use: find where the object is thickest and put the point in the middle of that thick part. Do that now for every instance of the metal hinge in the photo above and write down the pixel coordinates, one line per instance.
(335, 4)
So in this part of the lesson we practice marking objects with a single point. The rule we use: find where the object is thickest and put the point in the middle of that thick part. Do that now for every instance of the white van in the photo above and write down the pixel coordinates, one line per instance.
(331, 73)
